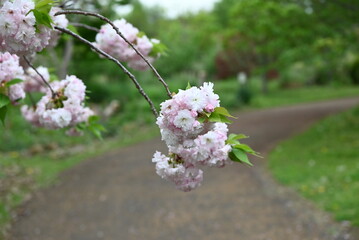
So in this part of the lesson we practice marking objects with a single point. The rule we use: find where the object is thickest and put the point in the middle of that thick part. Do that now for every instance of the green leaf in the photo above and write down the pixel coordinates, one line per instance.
(4, 100)
(81, 126)
(39, 4)
(216, 117)
(141, 34)
(158, 48)
(96, 132)
(224, 119)
(247, 149)
(188, 86)
(42, 18)
(223, 111)
(95, 127)
(99, 127)
(238, 155)
(13, 82)
(202, 119)
(3, 111)
(234, 137)
(93, 119)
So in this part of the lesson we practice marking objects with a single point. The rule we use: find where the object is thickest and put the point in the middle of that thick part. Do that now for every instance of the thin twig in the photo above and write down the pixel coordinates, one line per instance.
(42, 77)
(85, 26)
(123, 37)
(129, 74)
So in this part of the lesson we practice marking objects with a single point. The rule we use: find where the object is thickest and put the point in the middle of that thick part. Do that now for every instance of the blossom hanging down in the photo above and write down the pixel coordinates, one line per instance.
(62, 108)
(26, 28)
(193, 125)
(110, 42)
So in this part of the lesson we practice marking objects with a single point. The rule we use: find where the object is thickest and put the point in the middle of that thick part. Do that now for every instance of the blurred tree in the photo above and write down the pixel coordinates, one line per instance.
(264, 36)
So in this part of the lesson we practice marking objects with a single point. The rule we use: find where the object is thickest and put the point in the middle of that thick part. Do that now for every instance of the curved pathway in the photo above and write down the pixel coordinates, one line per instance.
(119, 197)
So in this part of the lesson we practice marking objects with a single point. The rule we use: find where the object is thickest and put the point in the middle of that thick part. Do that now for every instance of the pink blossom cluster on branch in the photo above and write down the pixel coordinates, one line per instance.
(63, 108)
(10, 69)
(110, 42)
(19, 32)
(192, 123)
(192, 143)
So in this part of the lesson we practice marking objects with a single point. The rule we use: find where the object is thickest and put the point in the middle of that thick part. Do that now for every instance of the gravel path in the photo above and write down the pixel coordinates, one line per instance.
(118, 196)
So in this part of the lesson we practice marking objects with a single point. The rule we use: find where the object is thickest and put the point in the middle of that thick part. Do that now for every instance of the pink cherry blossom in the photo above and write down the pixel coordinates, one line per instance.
(110, 42)
(191, 144)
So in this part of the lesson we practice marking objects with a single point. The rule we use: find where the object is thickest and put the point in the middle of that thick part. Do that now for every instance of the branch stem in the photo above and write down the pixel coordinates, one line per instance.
(79, 12)
(106, 55)
(42, 77)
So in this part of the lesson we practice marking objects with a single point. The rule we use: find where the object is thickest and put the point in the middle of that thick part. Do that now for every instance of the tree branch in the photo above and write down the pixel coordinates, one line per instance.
(42, 77)
(99, 51)
(79, 12)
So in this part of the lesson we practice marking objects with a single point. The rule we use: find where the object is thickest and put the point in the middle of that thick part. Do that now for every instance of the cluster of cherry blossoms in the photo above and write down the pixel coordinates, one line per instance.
(20, 33)
(192, 139)
(27, 27)
(10, 69)
(110, 42)
(192, 123)
(62, 108)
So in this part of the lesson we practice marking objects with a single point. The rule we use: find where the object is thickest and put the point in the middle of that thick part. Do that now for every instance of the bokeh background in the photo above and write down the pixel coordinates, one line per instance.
(259, 54)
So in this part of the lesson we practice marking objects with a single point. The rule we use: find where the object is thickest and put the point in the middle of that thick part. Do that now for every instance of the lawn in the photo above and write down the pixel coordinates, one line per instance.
(322, 164)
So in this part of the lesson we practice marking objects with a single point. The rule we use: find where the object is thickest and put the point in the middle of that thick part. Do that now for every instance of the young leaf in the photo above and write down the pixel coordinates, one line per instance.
(202, 119)
(81, 126)
(4, 100)
(43, 3)
(216, 117)
(13, 82)
(238, 155)
(234, 137)
(42, 18)
(223, 111)
(93, 119)
(224, 119)
(188, 86)
(95, 127)
(141, 34)
(246, 149)
(96, 132)
(158, 48)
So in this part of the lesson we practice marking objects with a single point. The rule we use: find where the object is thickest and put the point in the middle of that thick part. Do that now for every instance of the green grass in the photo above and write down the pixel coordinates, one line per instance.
(322, 164)
(279, 97)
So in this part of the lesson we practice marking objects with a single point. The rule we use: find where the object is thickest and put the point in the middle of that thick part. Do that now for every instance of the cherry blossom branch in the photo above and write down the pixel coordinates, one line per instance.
(42, 77)
(128, 73)
(79, 12)
(85, 26)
